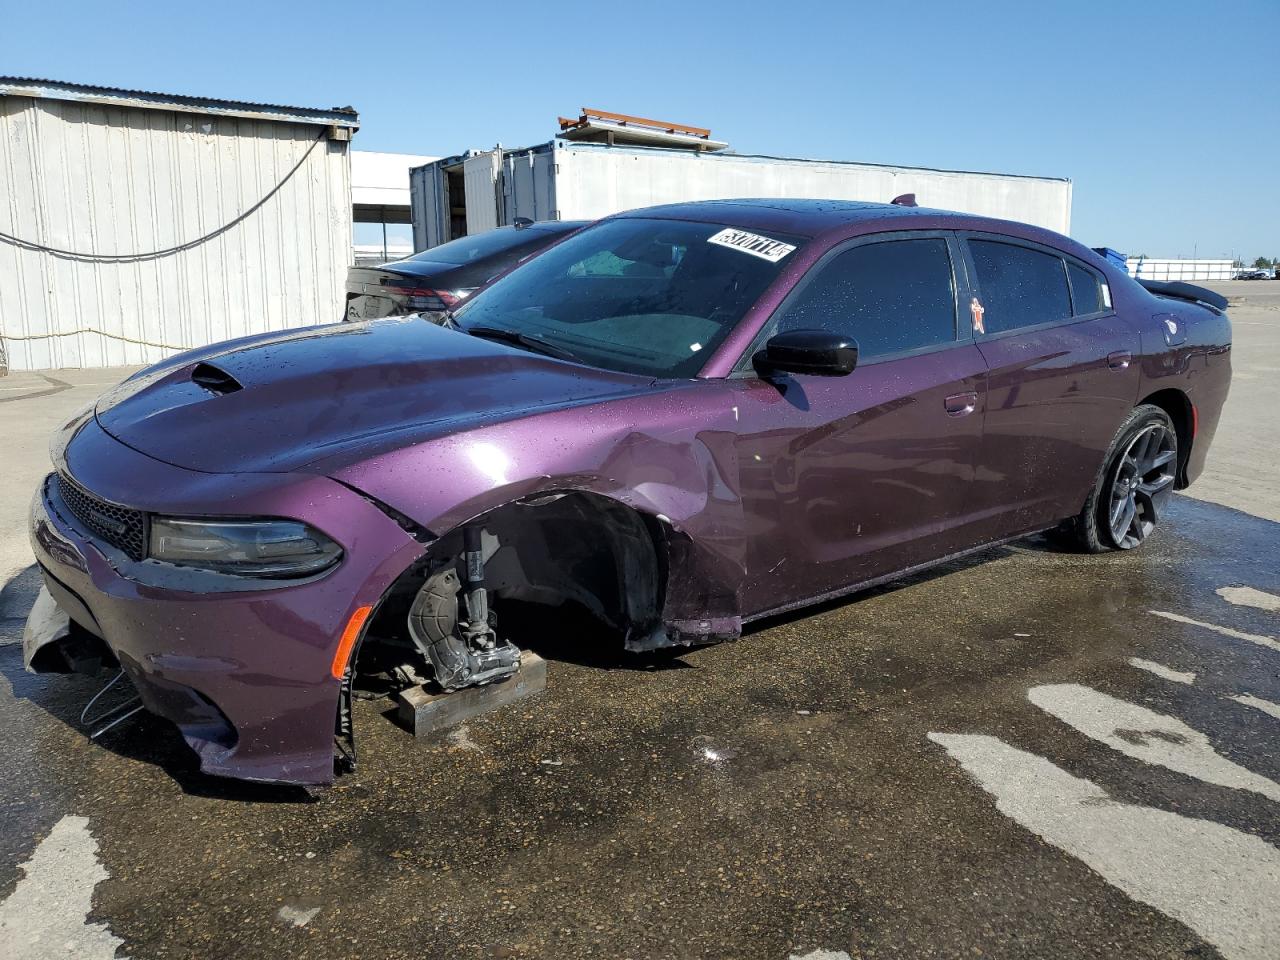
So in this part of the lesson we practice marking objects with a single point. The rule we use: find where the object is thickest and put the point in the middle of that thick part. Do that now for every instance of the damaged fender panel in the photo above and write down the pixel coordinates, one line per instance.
(678, 485)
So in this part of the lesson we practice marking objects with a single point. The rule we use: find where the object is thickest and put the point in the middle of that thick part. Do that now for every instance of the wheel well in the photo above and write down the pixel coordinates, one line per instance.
(549, 550)
(1178, 406)
(555, 548)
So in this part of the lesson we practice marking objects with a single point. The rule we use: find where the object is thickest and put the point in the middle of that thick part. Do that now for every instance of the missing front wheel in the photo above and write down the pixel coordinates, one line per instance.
(458, 639)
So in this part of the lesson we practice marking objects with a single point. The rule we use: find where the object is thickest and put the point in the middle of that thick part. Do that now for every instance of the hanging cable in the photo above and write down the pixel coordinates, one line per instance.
(102, 333)
(167, 251)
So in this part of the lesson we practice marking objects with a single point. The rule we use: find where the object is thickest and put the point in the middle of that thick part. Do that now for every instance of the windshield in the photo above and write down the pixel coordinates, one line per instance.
(469, 249)
(653, 297)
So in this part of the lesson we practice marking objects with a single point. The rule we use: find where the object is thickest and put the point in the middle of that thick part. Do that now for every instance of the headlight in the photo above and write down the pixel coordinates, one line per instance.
(249, 548)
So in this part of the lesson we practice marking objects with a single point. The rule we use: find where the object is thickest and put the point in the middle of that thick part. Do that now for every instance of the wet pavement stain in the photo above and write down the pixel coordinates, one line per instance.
(759, 799)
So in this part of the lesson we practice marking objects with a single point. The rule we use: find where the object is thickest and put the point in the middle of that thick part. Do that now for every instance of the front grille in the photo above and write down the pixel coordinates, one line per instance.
(121, 527)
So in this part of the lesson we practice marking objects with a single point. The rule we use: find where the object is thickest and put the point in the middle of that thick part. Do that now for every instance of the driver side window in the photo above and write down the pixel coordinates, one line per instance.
(891, 296)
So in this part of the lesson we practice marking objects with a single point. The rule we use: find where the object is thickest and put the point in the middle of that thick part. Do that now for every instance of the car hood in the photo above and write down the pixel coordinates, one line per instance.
(280, 402)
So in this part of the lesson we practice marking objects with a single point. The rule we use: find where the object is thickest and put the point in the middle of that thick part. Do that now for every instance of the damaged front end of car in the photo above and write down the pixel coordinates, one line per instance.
(452, 620)
(430, 564)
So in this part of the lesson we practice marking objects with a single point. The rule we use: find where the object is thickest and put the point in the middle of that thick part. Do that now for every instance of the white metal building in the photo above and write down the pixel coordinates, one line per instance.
(380, 198)
(570, 180)
(1154, 268)
(135, 224)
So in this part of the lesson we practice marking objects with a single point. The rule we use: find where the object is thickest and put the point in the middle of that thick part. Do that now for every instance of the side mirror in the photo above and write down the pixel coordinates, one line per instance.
(815, 352)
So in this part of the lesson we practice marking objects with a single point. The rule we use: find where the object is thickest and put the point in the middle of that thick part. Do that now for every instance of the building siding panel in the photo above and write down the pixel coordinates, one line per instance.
(110, 179)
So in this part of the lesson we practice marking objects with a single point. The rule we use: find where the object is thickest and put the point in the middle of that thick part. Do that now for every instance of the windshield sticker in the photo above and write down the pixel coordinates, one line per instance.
(757, 246)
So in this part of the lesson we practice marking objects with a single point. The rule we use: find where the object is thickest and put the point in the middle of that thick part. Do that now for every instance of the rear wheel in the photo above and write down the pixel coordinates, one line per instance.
(1133, 488)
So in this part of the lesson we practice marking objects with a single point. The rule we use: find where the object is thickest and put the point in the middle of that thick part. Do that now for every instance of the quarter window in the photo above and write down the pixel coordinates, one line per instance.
(1086, 290)
(1021, 287)
(891, 296)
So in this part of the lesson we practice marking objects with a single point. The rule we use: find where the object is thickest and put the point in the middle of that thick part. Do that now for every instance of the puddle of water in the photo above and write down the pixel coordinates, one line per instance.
(1262, 641)
(1266, 706)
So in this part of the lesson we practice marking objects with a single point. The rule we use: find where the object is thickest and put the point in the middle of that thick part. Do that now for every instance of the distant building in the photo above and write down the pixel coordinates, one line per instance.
(380, 196)
(1157, 268)
(372, 254)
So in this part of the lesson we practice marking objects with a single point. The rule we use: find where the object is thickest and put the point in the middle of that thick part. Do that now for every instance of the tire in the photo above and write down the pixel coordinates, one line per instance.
(1132, 489)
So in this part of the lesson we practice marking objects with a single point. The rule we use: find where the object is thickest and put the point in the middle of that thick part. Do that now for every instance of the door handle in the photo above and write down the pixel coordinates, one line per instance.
(961, 404)
(1119, 360)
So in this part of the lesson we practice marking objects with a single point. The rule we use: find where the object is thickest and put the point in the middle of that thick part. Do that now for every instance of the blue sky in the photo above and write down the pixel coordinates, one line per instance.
(1166, 116)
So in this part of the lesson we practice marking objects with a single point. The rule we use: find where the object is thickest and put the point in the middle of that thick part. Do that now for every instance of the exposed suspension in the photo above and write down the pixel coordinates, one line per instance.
(464, 651)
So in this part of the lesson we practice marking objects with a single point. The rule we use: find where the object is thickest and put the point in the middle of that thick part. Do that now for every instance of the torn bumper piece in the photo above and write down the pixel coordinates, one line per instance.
(245, 675)
(46, 635)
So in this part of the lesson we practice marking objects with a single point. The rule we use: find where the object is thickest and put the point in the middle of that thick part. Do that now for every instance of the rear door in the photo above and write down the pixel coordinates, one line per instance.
(1063, 377)
(845, 479)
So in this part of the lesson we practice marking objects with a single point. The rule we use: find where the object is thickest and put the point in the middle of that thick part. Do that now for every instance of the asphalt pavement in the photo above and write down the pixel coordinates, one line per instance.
(1024, 754)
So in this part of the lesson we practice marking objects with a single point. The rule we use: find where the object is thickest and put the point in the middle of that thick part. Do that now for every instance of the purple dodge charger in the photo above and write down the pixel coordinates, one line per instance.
(683, 419)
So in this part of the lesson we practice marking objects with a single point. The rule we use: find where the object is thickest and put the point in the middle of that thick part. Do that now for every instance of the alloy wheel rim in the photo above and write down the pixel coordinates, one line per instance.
(1141, 486)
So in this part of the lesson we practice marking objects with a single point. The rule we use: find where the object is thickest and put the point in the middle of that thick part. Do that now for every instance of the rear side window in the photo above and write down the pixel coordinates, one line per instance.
(1021, 287)
(1086, 290)
(891, 296)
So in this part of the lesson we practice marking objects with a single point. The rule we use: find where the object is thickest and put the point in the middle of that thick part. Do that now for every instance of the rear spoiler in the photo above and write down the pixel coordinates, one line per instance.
(1185, 291)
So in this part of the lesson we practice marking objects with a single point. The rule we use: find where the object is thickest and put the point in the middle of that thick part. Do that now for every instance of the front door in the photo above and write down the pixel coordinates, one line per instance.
(846, 479)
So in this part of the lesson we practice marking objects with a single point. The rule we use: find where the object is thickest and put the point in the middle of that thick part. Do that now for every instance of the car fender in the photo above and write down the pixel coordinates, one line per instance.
(674, 466)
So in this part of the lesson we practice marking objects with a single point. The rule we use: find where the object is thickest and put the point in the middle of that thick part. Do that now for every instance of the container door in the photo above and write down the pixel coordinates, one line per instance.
(429, 206)
(529, 186)
(480, 183)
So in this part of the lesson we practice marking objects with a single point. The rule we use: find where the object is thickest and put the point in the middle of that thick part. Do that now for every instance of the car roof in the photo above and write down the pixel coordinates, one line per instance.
(812, 218)
(805, 216)
(552, 225)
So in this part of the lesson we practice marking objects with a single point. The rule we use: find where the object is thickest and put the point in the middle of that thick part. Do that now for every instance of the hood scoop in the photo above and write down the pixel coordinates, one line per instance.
(216, 381)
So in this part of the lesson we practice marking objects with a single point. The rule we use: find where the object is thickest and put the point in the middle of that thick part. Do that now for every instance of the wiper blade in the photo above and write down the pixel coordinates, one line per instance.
(518, 339)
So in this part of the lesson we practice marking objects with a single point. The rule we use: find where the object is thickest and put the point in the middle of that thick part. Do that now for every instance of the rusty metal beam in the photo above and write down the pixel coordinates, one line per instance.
(623, 119)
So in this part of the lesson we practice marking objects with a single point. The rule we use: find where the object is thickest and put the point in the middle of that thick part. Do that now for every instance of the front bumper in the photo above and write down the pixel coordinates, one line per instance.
(242, 667)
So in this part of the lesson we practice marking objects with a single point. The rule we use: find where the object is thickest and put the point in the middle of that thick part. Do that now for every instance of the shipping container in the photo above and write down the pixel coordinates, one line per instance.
(569, 180)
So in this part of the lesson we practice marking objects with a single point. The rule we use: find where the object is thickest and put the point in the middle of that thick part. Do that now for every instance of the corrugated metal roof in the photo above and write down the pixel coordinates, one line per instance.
(88, 93)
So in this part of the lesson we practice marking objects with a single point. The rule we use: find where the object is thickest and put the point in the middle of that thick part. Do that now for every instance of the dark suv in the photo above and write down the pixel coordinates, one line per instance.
(438, 279)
